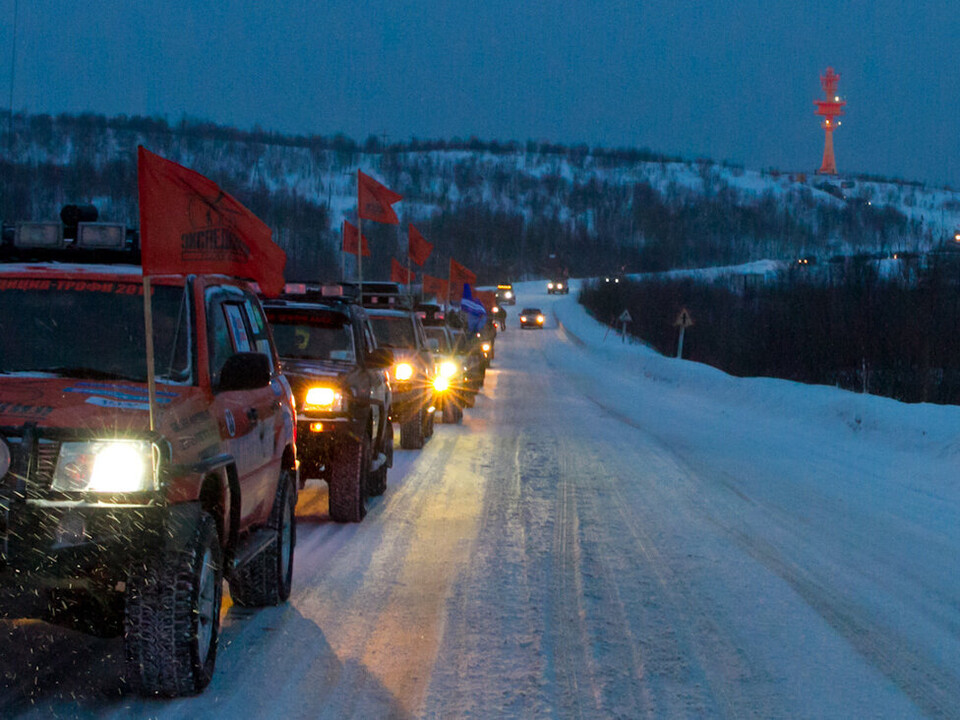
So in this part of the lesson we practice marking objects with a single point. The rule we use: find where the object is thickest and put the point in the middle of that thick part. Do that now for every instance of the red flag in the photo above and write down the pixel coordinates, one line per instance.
(459, 275)
(189, 225)
(488, 298)
(350, 240)
(435, 286)
(399, 274)
(375, 200)
(417, 247)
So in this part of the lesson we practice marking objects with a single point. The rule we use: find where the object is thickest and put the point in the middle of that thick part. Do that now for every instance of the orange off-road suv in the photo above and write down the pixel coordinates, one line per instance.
(112, 528)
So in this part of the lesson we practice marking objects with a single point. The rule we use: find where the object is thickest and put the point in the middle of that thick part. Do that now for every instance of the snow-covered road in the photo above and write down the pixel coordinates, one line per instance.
(609, 534)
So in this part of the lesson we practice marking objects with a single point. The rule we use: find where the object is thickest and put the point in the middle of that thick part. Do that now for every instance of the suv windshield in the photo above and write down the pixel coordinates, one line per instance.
(441, 336)
(93, 331)
(308, 336)
(393, 331)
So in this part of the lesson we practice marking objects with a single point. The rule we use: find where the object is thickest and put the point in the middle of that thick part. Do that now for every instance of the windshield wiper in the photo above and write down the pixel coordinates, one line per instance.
(89, 373)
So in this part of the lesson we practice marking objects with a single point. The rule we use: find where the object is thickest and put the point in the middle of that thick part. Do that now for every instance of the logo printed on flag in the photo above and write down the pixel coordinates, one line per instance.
(189, 225)
(375, 200)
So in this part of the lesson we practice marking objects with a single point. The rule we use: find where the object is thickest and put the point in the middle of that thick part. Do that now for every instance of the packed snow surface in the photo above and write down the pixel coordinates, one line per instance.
(609, 534)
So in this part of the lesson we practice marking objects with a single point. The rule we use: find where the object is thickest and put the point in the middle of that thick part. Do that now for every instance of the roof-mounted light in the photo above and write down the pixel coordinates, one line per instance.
(47, 235)
(101, 236)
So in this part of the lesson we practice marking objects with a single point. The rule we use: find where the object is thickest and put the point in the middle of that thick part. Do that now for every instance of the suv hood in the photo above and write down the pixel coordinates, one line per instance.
(314, 368)
(75, 403)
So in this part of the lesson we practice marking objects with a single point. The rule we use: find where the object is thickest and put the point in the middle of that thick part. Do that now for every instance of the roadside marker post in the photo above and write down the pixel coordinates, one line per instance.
(683, 321)
(623, 320)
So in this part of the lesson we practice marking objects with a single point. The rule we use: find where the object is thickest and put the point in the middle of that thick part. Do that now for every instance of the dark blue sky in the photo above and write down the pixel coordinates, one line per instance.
(717, 78)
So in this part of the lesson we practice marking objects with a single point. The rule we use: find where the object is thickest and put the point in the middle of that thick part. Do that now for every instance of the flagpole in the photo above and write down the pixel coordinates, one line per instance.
(359, 242)
(151, 370)
(409, 283)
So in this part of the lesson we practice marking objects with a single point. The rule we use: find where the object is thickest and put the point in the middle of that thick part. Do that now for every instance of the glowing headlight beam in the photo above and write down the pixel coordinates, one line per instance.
(320, 397)
(448, 369)
(403, 371)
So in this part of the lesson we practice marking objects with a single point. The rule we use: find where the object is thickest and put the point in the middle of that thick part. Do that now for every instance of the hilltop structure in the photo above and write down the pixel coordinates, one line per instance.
(830, 109)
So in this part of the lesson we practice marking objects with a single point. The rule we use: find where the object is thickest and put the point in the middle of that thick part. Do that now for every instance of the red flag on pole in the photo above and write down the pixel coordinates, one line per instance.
(375, 200)
(350, 240)
(459, 275)
(435, 286)
(400, 274)
(189, 225)
(417, 247)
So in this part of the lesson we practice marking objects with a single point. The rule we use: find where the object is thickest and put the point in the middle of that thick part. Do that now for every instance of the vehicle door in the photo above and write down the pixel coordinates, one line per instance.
(378, 389)
(247, 418)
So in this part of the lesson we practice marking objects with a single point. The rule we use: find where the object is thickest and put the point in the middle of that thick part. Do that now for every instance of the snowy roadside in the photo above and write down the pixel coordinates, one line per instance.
(923, 427)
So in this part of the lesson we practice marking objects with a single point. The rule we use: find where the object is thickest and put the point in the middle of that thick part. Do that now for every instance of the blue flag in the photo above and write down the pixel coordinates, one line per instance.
(476, 313)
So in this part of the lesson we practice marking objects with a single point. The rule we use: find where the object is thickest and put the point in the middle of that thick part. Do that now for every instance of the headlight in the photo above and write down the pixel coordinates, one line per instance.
(523, 318)
(549, 286)
(403, 371)
(106, 466)
(485, 347)
(326, 399)
(448, 369)
(540, 319)
(508, 294)
(559, 286)
(440, 383)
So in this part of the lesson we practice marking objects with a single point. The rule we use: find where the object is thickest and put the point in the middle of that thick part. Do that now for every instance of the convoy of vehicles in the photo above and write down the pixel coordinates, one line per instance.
(412, 374)
(343, 398)
(123, 509)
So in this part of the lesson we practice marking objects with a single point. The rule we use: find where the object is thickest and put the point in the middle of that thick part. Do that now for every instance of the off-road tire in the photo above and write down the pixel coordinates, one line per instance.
(172, 616)
(428, 422)
(348, 479)
(452, 412)
(266, 579)
(411, 432)
(377, 482)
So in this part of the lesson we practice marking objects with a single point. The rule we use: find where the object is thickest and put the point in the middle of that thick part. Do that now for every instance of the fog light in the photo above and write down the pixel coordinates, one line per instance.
(316, 427)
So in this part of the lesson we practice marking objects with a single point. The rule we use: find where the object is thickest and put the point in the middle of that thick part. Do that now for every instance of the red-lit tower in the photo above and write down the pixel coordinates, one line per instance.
(830, 109)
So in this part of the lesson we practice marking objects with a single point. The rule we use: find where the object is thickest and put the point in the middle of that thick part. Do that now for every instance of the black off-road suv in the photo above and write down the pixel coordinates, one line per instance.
(111, 527)
(339, 379)
(412, 375)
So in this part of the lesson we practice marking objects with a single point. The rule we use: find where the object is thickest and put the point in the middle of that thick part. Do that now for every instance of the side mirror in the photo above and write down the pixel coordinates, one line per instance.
(380, 358)
(245, 371)
(433, 345)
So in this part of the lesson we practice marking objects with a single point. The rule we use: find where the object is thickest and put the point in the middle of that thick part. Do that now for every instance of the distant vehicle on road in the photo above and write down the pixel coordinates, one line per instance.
(558, 287)
(506, 294)
(531, 317)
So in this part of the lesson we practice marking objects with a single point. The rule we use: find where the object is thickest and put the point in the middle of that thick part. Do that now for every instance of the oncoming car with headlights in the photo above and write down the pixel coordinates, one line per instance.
(531, 318)
(558, 286)
(337, 372)
(113, 528)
